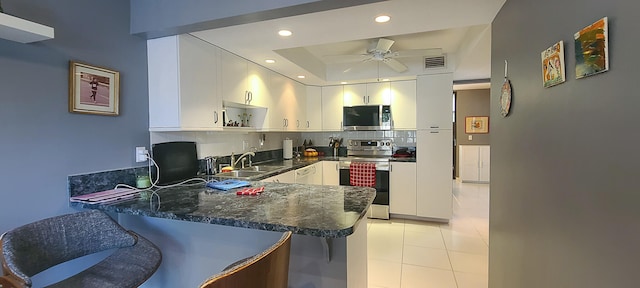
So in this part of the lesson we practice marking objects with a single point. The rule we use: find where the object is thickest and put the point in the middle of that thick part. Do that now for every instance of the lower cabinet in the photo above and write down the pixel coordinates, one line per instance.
(311, 174)
(330, 173)
(288, 177)
(475, 163)
(402, 188)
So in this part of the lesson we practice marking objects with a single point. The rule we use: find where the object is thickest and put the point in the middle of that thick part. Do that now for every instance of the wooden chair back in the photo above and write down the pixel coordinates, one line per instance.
(269, 269)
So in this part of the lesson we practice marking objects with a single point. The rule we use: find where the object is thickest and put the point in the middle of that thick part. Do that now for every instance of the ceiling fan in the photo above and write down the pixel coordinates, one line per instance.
(380, 50)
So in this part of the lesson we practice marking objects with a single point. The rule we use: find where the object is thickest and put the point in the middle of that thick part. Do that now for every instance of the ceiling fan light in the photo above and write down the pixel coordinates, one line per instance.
(284, 33)
(383, 19)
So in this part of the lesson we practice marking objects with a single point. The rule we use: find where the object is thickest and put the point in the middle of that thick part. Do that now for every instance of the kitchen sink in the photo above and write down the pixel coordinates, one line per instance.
(263, 168)
(240, 174)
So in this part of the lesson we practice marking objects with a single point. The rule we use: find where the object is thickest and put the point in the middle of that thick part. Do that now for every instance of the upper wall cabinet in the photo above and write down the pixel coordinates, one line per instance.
(403, 107)
(332, 108)
(243, 81)
(435, 101)
(287, 109)
(313, 120)
(378, 93)
(182, 85)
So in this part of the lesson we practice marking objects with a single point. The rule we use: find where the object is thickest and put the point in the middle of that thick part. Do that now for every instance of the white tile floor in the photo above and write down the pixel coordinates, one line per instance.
(408, 253)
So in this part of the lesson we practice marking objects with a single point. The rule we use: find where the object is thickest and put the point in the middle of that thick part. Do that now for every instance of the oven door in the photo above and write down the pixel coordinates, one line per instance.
(382, 181)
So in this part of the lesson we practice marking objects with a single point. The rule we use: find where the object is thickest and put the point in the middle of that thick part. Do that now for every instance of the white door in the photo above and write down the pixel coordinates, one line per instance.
(435, 101)
(403, 104)
(314, 109)
(378, 93)
(469, 162)
(485, 163)
(332, 108)
(434, 167)
(402, 188)
(355, 94)
(330, 173)
(233, 77)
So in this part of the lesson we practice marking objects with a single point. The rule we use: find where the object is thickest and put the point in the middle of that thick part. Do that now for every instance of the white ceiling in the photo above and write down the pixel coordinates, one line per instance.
(461, 28)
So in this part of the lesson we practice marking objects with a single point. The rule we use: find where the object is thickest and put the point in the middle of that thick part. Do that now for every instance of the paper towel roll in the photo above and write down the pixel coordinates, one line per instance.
(287, 149)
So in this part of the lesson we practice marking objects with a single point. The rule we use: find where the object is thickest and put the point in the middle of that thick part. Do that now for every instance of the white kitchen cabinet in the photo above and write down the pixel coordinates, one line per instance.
(233, 77)
(475, 163)
(330, 173)
(183, 86)
(434, 165)
(403, 104)
(332, 98)
(314, 109)
(242, 81)
(287, 111)
(311, 174)
(287, 177)
(402, 188)
(435, 101)
(376, 93)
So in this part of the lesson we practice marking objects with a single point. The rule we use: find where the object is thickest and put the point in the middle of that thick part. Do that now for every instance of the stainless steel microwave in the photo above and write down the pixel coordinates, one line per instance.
(366, 117)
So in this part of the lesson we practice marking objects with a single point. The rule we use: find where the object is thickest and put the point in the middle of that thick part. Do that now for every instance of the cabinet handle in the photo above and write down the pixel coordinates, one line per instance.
(308, 125)
(434, 127)
(284, 122)
(434, 132)
(215, 117)
(250, 96)
(337, 168)
(368, 99)
(297, 123)
(246, 96)
(390, 167)
(364, 99)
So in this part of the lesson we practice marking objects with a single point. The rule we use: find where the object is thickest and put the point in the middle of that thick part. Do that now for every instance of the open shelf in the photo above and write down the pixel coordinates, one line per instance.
(23, 31)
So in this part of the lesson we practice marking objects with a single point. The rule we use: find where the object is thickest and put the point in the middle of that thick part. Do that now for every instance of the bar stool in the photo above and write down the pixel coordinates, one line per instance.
(30, 249)
(268, 269)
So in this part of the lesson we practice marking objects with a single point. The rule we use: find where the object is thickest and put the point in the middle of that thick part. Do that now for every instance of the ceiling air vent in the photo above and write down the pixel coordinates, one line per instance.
(434, 62)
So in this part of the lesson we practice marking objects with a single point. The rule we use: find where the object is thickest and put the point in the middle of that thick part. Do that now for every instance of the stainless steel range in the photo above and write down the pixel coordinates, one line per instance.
(378, 151)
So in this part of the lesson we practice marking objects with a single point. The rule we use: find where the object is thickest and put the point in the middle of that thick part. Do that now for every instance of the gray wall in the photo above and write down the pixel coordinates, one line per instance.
(564, 202)
(470, 103)
(40, 141)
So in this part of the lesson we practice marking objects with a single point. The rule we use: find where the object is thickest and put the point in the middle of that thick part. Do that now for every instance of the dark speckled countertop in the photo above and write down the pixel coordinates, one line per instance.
(322, 211)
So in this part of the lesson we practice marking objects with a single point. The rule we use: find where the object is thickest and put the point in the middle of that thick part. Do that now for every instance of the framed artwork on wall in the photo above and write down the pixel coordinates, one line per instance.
(592, 49)
(476, 124)
(93, 90)
(553, 71)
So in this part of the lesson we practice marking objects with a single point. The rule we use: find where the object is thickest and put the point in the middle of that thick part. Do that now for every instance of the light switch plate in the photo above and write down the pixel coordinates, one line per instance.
(470, 137)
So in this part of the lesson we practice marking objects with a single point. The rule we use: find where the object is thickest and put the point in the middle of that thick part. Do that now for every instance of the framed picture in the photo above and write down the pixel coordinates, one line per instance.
(93, 90)
(476, 124)
(553, 72)
(592, 49)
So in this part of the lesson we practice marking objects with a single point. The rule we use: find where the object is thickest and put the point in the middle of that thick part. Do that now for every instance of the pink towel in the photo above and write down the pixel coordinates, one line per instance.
(362, 174)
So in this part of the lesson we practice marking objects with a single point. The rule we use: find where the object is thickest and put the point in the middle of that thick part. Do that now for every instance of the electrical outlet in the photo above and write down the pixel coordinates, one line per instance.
(141, 154)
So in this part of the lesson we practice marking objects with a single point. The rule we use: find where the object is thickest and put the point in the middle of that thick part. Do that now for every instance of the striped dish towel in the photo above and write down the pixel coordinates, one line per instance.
(362, 174)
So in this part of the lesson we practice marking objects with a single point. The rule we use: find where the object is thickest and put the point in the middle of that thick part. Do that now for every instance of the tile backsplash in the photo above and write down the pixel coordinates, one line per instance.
(224, 143)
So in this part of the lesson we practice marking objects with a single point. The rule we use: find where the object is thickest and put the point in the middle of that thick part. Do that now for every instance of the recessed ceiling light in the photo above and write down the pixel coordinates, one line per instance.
(385, 79)
(270, 61)
(383, 19)
(284, 33)
(301, 76)
(343, 82)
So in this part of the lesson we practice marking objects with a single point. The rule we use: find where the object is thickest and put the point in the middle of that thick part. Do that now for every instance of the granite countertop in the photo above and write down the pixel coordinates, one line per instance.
(321, 211)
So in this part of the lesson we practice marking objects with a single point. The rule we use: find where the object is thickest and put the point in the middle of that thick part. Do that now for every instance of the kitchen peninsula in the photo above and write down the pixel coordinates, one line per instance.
(328, 248)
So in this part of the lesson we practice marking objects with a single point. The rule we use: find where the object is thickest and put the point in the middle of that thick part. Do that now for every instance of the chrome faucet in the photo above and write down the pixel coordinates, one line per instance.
(234, 163)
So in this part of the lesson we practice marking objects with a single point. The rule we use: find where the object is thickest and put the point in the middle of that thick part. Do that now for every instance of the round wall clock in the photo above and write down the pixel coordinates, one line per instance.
(505, 98)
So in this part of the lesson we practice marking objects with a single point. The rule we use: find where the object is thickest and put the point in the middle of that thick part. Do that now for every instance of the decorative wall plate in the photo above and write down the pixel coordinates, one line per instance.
(505, 98)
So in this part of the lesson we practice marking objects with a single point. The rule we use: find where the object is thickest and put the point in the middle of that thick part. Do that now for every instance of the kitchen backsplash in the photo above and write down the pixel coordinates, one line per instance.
(224, 143)
(400, 138)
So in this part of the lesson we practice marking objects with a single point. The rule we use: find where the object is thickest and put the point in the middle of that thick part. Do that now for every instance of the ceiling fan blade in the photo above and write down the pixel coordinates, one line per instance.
(384, 45)
(416, 53)
(395, 65)
(359, 63)
(345, 58)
